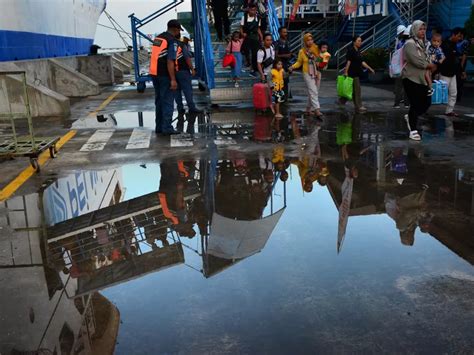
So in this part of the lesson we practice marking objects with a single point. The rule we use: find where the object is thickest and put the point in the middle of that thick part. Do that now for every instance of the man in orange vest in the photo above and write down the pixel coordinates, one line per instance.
(163, 74)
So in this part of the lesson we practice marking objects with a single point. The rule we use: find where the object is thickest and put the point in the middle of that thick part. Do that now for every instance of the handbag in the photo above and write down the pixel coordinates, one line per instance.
(229, 59)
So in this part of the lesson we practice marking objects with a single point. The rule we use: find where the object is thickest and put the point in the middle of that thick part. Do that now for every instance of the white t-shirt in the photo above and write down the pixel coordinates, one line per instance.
(260, 58)
(249, 19)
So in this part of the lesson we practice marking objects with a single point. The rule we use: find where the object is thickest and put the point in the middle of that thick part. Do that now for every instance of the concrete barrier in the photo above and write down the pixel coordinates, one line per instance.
(97, 67)
(70, 82)
(124, 67)
(43, 101)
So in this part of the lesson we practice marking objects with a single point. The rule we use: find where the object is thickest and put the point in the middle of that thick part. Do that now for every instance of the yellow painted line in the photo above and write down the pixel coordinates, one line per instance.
(104, 104)
(13, 186)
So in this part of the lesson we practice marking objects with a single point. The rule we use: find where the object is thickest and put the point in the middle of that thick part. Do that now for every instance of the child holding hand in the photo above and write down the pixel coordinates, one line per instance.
(278, 84)
(234, 48)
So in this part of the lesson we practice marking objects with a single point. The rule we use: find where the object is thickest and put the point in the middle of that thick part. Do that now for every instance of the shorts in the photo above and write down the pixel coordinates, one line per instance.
(278, 96)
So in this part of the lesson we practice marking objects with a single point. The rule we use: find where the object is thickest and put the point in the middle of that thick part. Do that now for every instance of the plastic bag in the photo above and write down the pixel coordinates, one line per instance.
(345, 87)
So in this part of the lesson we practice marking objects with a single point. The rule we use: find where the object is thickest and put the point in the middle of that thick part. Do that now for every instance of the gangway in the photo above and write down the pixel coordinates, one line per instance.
(204, 55)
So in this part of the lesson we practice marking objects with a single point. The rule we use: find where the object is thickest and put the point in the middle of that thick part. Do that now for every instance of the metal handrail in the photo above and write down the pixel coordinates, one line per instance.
(389, 23)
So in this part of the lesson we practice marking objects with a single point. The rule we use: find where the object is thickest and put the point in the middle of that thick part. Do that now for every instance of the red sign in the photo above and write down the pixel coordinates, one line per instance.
(296, 5)
(350, 6)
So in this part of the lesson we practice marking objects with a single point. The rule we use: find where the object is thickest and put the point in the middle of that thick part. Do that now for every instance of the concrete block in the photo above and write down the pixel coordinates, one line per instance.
(70, 82)
(43, 101)
(97, 67)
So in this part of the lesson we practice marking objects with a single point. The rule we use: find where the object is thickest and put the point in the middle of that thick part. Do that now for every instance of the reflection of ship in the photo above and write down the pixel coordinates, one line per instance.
(36, 308)
(33, 29)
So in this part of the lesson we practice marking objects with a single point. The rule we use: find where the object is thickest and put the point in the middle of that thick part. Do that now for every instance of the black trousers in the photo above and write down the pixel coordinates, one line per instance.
(250, 48)
(420, 102)
(221, 20)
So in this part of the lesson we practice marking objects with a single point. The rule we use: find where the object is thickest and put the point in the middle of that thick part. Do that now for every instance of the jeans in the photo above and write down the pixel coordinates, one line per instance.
(237, 69)
(452, 91)
(164, 104)
(420, 102)
(185, 86)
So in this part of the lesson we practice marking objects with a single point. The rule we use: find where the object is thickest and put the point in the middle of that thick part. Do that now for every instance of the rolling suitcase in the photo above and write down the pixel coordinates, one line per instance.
(262, 97)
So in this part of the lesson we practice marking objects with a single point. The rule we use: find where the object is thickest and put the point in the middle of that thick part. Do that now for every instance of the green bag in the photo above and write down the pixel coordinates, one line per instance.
(344, 87)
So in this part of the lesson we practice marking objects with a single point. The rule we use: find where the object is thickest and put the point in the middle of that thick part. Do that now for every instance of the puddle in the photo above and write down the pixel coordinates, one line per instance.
(326, 238)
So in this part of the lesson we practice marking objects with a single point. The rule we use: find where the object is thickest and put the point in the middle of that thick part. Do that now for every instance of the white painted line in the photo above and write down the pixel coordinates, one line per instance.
(98, 140)
(139, 139)
(181, 140)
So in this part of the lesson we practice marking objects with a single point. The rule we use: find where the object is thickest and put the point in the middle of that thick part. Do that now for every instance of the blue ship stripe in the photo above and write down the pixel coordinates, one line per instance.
(17, 45)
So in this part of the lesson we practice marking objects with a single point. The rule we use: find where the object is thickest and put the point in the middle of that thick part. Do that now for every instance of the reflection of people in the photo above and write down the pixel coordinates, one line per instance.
(406, 202)
(408, 212)
(171, 195)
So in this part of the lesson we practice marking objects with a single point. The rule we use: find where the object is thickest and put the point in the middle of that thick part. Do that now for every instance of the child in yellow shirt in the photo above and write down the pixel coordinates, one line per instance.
(278, 84)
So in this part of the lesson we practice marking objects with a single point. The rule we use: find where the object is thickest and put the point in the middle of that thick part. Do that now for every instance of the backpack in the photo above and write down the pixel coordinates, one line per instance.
(266, 62)
(397, 63)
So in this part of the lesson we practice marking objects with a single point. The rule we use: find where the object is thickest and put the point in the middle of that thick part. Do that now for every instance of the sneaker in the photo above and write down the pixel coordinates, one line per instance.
(396, 106)
(278, 115)
(415, 136)
(430, 92)
(253, 75)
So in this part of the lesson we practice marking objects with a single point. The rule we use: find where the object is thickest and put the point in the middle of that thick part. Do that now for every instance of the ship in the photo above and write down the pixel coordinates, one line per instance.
(32, 29)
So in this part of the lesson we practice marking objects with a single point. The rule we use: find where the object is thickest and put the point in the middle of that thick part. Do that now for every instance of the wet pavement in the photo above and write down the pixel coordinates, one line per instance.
(244, 234)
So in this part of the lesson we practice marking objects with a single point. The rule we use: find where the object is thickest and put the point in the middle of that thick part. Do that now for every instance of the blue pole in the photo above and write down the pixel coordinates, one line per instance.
(283, 7)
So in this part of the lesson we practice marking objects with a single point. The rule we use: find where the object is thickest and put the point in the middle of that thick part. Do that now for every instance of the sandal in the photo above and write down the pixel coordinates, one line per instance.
(415, 136)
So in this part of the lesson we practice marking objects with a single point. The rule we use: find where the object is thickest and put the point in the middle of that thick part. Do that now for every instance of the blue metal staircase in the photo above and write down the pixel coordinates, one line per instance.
(203, 49)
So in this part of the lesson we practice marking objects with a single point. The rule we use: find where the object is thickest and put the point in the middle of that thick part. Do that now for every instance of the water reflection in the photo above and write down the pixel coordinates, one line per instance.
(242, 219)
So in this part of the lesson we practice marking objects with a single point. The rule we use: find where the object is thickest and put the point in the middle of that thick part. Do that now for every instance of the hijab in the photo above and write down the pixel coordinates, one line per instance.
(415, 27)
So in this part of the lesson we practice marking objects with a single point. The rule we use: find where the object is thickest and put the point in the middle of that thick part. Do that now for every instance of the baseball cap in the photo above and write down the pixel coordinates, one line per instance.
(400, 29)
(407, 31)
(175, 24)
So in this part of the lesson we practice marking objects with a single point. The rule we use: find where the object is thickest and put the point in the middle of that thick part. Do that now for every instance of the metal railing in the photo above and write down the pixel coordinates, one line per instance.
(310, 9)
(383, 33)
(320, 31)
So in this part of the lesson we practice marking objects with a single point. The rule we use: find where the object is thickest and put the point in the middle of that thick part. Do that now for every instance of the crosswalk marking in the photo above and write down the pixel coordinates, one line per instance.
(139, 139)
(98, 140)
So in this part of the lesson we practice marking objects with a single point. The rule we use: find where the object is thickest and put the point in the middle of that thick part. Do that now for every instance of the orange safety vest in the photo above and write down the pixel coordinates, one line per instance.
(159, 52)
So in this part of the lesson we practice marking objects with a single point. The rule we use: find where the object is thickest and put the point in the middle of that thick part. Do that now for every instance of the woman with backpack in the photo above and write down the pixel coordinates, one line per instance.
(308, 61)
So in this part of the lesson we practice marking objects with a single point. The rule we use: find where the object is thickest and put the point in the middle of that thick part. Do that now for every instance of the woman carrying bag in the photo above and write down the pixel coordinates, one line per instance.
(353, 69)
(413, 74)
(308, 60)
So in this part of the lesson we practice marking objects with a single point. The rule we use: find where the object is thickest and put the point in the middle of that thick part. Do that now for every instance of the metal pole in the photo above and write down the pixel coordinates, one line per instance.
(283, 8)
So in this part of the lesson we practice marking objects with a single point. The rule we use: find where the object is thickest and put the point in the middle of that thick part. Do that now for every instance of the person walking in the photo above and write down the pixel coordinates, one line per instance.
(413, 74)
(220, 10)
(283, 53)
(265, 58)
(234, 48)
(184, 75)
(250, 30)
(403, 33)
(450, 67)
(307, 59)
(353, 69)
(163, 74)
